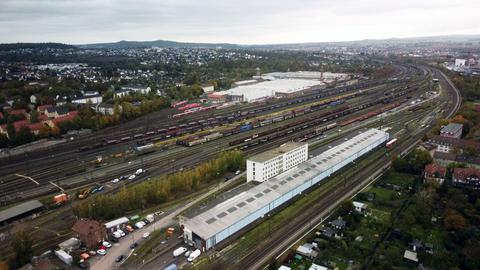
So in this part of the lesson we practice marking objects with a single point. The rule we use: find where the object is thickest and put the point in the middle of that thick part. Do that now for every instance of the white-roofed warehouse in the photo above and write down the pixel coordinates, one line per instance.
(223, 220)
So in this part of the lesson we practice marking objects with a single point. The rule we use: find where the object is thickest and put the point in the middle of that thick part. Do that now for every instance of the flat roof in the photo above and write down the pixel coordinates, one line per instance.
(452, 128)
(234, 209)
(265, 89)
(116, 222)
(273, 153)
(19, 209)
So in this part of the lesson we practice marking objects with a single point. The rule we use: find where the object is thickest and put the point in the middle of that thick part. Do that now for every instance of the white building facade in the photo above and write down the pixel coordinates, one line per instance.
(271, 163)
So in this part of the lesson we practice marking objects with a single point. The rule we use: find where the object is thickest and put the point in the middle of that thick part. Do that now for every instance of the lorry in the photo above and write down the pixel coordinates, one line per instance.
(179, 251)
(64, 256)
(194, 255)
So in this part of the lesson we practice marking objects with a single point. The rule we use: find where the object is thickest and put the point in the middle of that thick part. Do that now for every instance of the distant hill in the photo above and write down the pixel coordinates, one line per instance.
(48, 45)
(174, 44)
(124, 44)
(157, 43)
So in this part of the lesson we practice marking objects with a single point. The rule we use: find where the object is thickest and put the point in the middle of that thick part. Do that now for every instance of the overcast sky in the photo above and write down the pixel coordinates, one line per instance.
(233, 21)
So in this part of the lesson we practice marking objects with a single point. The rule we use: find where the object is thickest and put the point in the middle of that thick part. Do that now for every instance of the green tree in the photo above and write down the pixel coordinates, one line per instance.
(34, 116)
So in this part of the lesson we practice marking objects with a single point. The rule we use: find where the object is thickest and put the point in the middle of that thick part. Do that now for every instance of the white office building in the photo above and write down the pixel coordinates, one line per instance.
(273, 162)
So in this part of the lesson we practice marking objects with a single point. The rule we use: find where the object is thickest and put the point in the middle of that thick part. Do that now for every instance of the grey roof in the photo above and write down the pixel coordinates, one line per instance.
(270, 154)
(340, 223)
(223, 215)
(19, 209)
(452, 128)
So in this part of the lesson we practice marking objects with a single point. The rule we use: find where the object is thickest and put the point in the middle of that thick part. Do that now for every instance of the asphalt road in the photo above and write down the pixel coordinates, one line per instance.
(165, 220)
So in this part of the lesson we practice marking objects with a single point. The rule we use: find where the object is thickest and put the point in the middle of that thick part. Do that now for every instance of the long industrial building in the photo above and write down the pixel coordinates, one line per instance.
(225, 219)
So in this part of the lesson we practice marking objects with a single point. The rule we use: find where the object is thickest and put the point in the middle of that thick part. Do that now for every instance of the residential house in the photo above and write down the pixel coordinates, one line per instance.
(317, 267)
(444, 159)
(410, 257)
(94, 99)
(448, 144)
(360, 207)
(104, 108)
(208, 88)
(327, 232)
(42, 108)
(466, 177)
(216, 98)
(18, 112)
(435, 172)
(339, 224)
(69, 117)
(34, 99)
(452, 130)
(307, 250)
(415, 245)
(89, 231)
(55, 112)
(127, 90)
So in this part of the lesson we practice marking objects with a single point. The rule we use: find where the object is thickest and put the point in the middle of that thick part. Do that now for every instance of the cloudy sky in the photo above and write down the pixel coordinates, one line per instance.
(234, 21)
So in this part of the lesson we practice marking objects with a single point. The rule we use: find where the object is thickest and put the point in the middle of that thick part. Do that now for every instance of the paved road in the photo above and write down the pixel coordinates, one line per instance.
(168, 219)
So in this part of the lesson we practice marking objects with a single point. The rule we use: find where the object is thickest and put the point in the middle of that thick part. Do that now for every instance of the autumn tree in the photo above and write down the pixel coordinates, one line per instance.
(454, 220)
(22, 247)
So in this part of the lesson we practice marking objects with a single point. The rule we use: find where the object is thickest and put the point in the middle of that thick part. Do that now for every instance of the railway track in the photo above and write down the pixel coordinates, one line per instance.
(256, 258)
(52, 175)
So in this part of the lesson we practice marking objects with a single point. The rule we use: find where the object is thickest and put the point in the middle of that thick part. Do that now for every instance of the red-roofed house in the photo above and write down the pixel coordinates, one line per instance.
(41, 109)
(435, 172)
(21, 112)
(70, 116)
(467, 177)
(36, 127)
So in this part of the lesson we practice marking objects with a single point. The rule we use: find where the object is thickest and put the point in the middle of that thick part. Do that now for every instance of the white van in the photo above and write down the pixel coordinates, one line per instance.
(194, 255)
(179, 251)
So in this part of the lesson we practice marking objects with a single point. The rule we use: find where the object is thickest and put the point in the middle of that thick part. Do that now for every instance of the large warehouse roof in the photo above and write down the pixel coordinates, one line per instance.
(231, 211)
(269, 88)
(19, 210)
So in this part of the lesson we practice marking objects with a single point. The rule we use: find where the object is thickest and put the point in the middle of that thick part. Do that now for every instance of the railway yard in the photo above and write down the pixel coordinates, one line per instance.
(404, 104)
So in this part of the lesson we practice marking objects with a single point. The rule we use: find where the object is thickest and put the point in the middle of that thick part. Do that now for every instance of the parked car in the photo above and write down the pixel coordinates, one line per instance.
(134, 245)
(129, 228)
(101, 252)
(119, 258)
(123, 177)
(131, 177)
(122, 234)
(116, 180)
(187, 254)
(92, 253)
(237, 172)
(116, 234)
(114, 240)
(146, 235)
(106, 244)
(146, 221)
